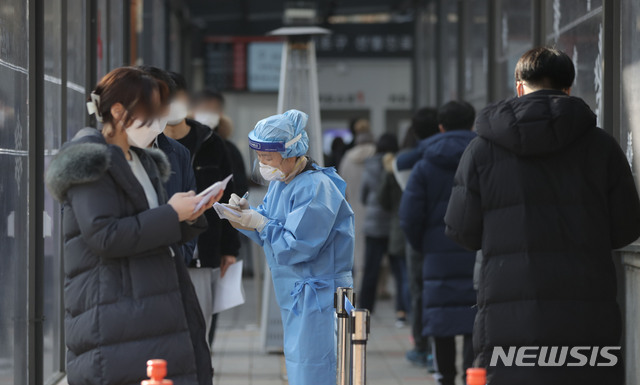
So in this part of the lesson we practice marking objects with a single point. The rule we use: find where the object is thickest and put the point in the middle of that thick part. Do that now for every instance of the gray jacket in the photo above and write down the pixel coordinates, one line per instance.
(127, 294)
(377, 219)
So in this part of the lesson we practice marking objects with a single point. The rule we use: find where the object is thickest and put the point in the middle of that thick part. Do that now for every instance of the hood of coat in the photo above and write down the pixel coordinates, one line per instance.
(445, 150)
(86, 158)
(542, 122)
(360, 153)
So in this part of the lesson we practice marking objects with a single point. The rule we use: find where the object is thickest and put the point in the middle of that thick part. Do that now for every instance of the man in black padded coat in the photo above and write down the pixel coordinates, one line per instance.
(546, 195)
(217, 247)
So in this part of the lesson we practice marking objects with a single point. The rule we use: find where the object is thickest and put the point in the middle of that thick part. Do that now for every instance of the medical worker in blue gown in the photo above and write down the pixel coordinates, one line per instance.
(307, 230)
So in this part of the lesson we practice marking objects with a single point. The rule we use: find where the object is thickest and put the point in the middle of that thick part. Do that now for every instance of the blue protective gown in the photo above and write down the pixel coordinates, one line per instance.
(308, 243)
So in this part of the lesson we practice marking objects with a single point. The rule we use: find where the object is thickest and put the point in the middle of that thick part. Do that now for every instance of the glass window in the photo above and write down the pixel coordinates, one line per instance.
(575, 27)
(630, 73)
(449, 51)
(176, 49)
(476, 53)
(52, 326)
(76, 66)
(117, 29)
(513, 38)
(14, 166)
(102, 38)
(153, 33)
(425, 71)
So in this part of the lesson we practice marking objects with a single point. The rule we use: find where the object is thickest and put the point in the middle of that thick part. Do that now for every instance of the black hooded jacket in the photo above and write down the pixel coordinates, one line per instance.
(546, 195)
(211, 163)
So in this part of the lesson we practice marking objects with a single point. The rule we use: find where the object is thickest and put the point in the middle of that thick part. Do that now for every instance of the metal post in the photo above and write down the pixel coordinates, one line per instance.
(344, 334)
(361, 326)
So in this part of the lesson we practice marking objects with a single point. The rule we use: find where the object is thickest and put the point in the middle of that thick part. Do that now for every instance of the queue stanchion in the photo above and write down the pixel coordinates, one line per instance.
(342, 300)
(360, 329)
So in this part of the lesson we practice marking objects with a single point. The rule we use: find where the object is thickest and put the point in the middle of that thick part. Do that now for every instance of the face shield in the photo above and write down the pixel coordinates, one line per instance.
(266, 159)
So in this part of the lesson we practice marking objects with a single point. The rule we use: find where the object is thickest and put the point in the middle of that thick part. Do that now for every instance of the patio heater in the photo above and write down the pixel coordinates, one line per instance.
(298, 71)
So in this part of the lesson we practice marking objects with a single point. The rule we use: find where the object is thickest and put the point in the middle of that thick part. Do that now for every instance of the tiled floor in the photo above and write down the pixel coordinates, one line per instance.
(237, 356)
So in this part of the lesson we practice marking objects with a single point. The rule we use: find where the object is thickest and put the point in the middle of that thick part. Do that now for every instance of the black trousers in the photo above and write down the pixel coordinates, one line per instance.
(444, 359)
(400, 277)
(414, 268)
(375, 249)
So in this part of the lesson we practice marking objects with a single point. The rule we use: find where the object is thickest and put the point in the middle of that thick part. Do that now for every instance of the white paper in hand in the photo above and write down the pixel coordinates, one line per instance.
(224, 212)
(229, 291)
(212, 191)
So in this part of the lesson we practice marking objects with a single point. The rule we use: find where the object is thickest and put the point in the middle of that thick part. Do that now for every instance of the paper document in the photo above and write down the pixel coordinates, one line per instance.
(221, 209)
(229, 291)
(212, 191)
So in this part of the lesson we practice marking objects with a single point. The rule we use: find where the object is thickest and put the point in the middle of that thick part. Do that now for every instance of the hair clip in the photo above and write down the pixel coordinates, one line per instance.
(92, 106)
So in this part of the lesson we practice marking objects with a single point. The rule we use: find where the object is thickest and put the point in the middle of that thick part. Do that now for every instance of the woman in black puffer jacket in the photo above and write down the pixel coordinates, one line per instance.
(128, 297)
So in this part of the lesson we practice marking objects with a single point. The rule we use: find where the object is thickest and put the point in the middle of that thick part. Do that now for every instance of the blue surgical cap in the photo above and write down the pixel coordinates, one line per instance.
(283, 128)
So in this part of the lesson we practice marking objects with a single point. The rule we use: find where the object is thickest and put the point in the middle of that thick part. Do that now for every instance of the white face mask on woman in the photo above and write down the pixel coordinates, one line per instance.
(271, 173)
(142, 136)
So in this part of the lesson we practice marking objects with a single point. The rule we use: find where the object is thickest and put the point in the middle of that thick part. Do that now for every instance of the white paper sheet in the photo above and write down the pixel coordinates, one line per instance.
(229, 291)
(221, 209)
(211, 191)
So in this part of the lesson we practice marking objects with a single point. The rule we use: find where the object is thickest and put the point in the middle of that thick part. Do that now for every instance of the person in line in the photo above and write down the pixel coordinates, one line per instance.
(127, 296)
(389, 195)
(424, 124)
(358, 125)
(546, 195)
(209, 108)
(182, 177)
(351, 168)
(338, 149)
(306, 228)
(217, 247)
(448, 295)
(376, 222)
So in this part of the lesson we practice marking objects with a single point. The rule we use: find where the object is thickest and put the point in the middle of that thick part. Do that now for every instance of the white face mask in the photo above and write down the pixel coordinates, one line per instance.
(209, 119)
(177, 112)
(271, 173)
(142, 136)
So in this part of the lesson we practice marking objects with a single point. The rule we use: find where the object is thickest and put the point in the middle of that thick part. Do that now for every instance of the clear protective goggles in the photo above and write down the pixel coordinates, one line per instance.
(266, 158)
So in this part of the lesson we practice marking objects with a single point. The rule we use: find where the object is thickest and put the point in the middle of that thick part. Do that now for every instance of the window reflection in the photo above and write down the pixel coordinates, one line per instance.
(630, 73)
(575, 27)
(52, 357)
(14, 165)
(514, 38)
(476, 53)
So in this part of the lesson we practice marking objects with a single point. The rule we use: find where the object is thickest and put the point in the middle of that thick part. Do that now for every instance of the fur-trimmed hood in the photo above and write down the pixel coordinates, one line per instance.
(86, 158)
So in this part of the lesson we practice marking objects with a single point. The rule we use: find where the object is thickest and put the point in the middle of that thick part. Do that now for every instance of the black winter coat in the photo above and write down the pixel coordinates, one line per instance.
(448, 296)
(128, 297)
(211, 163)
(240, 181)
(546, 195)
